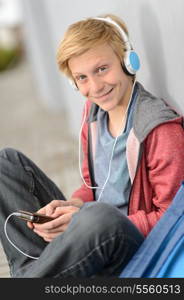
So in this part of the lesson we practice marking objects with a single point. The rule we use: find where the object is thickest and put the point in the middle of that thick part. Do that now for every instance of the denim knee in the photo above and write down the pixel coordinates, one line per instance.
(14, 156)
(102, 217)
(10, 154)
(99, 217)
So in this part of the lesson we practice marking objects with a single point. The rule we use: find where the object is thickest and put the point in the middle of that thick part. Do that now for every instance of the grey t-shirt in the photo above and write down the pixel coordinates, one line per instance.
(118, 187)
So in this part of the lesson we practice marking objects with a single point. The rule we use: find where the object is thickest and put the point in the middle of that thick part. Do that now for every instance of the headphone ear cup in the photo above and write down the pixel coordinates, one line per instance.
(131, 62)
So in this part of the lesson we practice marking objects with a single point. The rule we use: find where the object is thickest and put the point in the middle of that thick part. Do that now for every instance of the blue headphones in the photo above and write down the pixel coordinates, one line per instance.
(131, 62)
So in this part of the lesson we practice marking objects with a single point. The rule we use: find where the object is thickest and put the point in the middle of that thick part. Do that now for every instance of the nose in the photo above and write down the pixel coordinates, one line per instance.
(96, 86)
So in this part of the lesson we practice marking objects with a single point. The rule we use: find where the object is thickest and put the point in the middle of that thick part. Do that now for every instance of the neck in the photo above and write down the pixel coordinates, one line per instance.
(117, 117)
(116, 124)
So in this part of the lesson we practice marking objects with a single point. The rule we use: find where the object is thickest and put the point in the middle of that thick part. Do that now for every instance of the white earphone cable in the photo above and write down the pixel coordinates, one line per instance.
(80, 170)
(5, 231)
(112, 153)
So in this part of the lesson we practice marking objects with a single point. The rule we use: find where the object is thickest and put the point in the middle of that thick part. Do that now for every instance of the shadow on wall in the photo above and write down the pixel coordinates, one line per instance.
(153, 45)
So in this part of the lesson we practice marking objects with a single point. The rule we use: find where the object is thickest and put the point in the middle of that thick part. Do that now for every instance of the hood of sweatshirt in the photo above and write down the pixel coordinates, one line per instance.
(149, 112)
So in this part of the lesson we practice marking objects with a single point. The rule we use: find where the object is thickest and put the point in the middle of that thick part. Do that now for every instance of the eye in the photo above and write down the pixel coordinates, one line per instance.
(102, 69)
(81, 78)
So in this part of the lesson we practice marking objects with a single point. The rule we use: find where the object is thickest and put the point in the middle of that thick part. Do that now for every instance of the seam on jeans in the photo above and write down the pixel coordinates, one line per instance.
(77, 265)
(89, 254)
(32, 179)
(29, 169)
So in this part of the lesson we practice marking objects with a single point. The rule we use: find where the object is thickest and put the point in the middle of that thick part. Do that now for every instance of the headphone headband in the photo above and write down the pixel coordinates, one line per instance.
(120, 29)
(131, 62)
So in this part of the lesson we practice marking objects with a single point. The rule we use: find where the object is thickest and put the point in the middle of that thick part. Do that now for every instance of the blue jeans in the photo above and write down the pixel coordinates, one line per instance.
(99, 240)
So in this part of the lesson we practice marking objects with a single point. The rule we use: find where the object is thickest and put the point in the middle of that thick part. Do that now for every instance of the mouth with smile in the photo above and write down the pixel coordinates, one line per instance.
(104, 96)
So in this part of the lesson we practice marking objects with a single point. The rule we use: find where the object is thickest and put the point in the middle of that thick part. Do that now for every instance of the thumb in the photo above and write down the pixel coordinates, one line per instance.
(49, 210)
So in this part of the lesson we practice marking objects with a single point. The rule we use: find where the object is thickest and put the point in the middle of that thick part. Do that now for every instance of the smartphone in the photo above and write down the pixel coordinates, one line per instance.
(33, 217)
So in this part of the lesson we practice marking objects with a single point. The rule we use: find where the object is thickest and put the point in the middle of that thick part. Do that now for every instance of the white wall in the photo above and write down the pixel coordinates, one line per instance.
(10, 13)
(156, 30)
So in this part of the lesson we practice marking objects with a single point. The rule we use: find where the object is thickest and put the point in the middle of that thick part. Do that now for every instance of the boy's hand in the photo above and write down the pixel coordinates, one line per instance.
(62, 217)
(62, 212)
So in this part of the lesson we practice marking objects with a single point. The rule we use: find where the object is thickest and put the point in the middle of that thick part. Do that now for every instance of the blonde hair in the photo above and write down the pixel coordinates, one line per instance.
(86, 34)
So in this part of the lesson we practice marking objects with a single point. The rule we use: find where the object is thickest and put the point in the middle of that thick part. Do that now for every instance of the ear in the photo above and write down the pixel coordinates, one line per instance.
(73, 84)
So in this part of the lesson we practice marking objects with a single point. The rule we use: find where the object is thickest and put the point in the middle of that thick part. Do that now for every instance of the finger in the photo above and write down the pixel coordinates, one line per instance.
(50, 208)
(64, 210)
(45, 235)
(47, 240)
(52, 225)
(64, 203)
(56, 203)
(40, 233)
(60, 225)
(59, 203)
(48, 236)
(42, 210)
(30, 225)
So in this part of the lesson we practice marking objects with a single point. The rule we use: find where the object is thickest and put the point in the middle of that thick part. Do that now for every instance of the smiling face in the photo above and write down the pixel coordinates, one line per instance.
(100, 78)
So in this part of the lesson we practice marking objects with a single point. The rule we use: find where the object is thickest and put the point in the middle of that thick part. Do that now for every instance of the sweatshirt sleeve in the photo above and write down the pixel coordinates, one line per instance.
(164, 161)
(83, 192)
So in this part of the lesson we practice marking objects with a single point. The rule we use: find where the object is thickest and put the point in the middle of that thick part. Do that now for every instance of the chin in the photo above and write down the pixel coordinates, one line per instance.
(108, 107)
